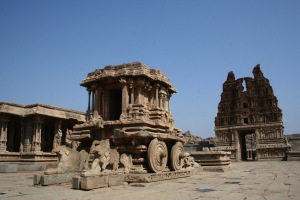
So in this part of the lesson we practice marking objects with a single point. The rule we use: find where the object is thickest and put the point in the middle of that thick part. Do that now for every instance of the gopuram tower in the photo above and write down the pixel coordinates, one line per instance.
(249, 121)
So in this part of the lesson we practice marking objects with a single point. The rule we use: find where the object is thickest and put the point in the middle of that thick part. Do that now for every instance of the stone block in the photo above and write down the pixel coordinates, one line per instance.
(53, 179)
(37, 179)
(92, 182)
(115, 180)
(76, 182)
(197, 170)
(8, 168)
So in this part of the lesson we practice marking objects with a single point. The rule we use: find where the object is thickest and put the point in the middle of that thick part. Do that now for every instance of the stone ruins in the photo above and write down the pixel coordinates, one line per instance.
(249, 121)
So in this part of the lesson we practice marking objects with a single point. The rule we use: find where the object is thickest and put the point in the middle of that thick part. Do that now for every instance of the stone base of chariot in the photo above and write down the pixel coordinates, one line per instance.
(101, 181)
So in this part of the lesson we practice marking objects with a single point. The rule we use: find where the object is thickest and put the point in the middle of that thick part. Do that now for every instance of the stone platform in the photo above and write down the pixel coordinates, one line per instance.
(101, 181)
(247, 180)
(53, 179)
(12, 168)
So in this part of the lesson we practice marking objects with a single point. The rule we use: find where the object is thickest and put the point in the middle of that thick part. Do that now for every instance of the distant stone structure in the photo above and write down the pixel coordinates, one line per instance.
(249, 121)
(29, 133)
(191, 139)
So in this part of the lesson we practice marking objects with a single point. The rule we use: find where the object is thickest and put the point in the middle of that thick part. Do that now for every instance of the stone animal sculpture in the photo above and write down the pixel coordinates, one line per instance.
(126, 160)
(69, 160)
(103, 157)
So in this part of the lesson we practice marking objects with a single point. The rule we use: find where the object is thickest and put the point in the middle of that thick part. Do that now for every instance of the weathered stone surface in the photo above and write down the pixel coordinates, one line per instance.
(37, 179)
(116, 180)
(104, 157)
(31, 167)
(54, 179)
(246, 180)
(70, 161)
(8, 168)
(76, 182)
(152, 177)
(92, 182)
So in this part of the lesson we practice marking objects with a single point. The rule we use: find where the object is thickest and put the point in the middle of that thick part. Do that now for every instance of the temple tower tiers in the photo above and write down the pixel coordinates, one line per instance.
(249, 121)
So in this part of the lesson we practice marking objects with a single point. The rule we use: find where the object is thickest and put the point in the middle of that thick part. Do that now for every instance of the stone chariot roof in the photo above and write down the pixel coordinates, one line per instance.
(134, 69)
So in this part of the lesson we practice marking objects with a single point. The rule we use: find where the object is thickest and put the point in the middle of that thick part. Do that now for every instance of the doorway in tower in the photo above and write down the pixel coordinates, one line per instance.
(115, 104)
(247, 141)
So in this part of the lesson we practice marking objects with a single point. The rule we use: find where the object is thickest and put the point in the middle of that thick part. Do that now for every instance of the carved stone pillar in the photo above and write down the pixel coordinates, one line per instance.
(101, 102)
(3, 133)
(140, 98)
(124, 98)
(88, 112)
(93, 101)
(140, 95)
(161, 96)
(57, 134)
(22, 135)
(237, 145)
(132, 96)
(28, 135)
(156, 96)
(37, 134)
(258, 135)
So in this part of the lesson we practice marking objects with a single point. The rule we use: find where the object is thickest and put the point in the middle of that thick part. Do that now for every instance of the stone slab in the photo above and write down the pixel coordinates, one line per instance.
(116, 180)
(147, 178)
(197, 171)
(8, 168)
(31, 167)
(293, 156)
(93, 182)
(54, 179)
(213, 168)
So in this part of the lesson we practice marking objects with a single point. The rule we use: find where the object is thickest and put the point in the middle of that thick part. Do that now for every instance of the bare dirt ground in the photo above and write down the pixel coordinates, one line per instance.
(244, 180)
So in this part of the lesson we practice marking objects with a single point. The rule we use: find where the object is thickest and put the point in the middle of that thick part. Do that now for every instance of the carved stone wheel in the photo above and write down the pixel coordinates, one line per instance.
(157, 155)
(176, 162)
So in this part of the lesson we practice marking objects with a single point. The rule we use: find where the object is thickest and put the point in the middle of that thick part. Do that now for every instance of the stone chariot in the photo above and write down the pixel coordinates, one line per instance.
(129, 106)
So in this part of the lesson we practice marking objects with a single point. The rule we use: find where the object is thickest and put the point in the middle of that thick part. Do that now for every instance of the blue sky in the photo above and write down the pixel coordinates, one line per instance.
(48, 47)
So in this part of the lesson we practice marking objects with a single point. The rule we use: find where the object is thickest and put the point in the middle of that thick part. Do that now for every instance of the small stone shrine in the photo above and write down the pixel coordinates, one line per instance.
(249, 121)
